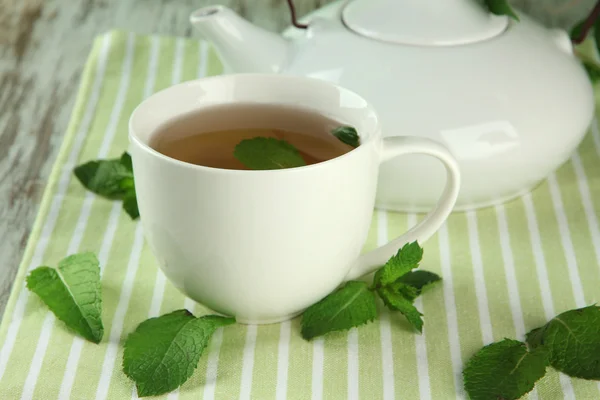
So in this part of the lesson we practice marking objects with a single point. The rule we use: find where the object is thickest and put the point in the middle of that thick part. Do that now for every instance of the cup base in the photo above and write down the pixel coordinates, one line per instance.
(267, 321)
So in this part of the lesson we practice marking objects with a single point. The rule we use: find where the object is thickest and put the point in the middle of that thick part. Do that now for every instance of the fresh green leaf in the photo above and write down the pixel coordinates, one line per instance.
(407, 291)
(73, 293)
(127, 162)
(351, 305)
(130, 205)
(504, 370)
(420, 280)
(501, 7)
(263, 153)
(573, 341)
(407, 259)
(163, 352)
(398, 300)
(592, 69)
(597, 42)
(348, 135)
(577, 30)
(112, 179)
(535, 338)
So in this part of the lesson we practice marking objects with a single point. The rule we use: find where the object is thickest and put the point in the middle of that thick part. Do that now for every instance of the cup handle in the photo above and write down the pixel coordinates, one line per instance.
(398, 146)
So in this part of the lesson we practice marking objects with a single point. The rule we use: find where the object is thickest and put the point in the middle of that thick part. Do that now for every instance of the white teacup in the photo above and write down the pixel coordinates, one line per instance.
(264, 245)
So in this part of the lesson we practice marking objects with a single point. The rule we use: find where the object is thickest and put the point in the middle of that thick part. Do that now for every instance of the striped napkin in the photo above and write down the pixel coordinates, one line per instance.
(506, 270)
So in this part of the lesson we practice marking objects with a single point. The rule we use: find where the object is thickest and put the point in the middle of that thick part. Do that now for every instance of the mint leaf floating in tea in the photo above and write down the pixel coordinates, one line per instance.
(112, 179)
(351, 305)
(73, 293)
(407, 259)
(348, 135)
(401, 299)
(263, 153)
(504, 370)
(163, 352)
(501, 7)
(573, 342)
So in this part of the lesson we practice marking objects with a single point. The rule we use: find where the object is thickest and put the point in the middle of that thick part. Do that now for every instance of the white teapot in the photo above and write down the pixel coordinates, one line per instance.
(509, 99)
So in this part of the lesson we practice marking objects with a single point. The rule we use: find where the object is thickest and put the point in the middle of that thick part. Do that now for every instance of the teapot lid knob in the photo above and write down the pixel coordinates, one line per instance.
(423, 22)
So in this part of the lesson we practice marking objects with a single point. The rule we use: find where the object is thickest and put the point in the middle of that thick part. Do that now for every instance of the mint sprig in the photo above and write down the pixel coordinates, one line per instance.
(112, 179)
(570, 343)
(163, 352)
(72, 292)
(354, 303)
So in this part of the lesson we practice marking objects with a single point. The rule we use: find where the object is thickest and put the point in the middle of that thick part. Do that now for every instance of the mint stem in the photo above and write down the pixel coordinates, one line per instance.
(294, 18)
(588, 24)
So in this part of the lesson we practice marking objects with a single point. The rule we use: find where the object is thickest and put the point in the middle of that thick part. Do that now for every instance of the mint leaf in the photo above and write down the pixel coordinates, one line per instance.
(130, 205)
(407, 259)
(351, 305)
(401, 299)
(420, 280)
(73, 293)
(577, 30)
(112, 179)
(127, 162)
(501, 7)
(573, 341)
(163, 352)
(592, 69)
(504, 370)
(348, 135)
(263, 153)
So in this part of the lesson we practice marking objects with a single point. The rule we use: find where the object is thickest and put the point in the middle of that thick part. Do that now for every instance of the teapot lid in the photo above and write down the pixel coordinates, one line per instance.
(423, 22)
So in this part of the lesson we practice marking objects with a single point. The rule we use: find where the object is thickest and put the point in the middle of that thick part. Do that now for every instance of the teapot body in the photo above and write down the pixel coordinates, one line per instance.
(511, 109)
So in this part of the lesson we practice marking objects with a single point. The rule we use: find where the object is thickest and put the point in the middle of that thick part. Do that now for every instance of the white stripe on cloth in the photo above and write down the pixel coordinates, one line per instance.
(511, 280)
(542, 273)
(52, 216)
(111, 129)
(421, 342)
(479, 278)
(45, 334)
(248, 362)
(450, 306)
(283, 355)
(353, 364)
(385, 330)
(114, 340)
(318, 365)
(212, 367)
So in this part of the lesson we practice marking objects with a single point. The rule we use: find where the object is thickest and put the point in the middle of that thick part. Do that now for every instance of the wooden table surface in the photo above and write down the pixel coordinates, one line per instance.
(43, 47)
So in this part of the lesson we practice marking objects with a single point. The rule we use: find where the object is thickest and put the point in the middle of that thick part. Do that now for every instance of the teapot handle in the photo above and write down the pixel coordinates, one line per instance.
(399, 146)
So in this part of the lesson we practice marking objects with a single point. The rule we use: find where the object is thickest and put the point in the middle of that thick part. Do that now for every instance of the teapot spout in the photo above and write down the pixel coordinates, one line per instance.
(242, 46)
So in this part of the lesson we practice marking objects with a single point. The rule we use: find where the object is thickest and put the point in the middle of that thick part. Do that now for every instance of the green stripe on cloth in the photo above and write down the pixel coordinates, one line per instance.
(506, 270)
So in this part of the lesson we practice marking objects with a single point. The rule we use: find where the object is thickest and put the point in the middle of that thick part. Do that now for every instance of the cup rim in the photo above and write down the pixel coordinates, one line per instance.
(323, 164)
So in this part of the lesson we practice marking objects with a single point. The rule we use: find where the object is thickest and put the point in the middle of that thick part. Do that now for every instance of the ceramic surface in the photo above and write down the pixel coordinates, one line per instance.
(263, 245)
(511, 106)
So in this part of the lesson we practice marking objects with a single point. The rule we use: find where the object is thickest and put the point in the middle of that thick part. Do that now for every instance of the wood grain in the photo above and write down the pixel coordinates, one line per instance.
(43, 47)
